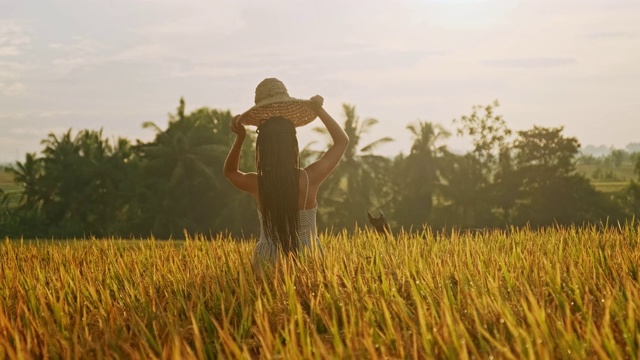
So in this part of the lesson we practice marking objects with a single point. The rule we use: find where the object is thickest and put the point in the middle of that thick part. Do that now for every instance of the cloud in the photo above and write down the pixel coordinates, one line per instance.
(11, 70)
(80, 52)
(36, 131)
(13, 38)
(142, 53)
(531, 63)
(193, 26)
(9, 51)
(614, 35)
(34, 114)
(219, 71)
(188, 20)
(12, 89)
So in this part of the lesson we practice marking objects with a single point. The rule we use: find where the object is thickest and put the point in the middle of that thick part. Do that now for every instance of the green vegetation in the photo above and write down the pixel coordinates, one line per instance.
(563, 292)
(82, 184)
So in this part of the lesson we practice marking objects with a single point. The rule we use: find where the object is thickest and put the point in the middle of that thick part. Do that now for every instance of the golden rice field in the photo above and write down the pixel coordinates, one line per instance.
(548, 294)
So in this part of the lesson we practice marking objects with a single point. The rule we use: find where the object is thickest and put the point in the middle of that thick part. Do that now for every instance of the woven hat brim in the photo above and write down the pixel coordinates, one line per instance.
(299, 112)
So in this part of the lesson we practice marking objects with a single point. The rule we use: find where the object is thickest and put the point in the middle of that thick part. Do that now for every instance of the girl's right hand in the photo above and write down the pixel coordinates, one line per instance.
(236, 127)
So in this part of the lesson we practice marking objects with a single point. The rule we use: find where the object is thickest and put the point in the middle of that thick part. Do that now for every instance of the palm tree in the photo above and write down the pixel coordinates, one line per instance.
(86, 181)
(27, 175)
(187, 190)
(78, 186)
(418, 177)
(361, 180)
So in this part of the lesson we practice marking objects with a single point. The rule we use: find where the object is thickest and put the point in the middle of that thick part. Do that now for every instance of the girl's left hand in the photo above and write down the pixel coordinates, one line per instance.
(317, 101)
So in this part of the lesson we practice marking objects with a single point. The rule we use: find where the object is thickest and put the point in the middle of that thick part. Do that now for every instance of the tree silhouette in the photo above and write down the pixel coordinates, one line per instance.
(489, 134)
(419, 174)
(361, 180)
(629, 198)
(76, 188)
(543, 153)
(545, 161)
(469, 193)
(464, 201)
(185, 190)
(26, 174)
(85, 184)
(180, 168)
(505, 189)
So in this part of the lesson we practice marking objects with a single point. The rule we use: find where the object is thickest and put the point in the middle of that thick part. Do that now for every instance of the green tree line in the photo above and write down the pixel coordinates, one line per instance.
(84, 184)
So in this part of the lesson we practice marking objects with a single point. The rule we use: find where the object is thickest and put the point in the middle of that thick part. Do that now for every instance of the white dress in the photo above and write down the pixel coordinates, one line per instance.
(267, 251)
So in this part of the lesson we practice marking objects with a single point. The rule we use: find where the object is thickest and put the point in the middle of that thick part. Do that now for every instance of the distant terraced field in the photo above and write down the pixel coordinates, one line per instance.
(607, 179)
(8, 186)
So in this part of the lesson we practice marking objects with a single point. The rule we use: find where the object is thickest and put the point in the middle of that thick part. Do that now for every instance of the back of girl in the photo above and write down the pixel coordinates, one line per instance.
(285, 193)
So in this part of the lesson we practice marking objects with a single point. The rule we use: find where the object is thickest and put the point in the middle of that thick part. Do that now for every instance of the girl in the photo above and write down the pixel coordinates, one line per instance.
(285, 193)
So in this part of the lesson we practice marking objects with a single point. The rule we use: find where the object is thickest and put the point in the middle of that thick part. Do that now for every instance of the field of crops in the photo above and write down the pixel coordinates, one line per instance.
(555, 293)
(610, 179)
(9, 186)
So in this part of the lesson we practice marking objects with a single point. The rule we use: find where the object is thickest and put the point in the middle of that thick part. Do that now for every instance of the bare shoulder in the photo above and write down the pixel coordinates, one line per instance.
(317, 173)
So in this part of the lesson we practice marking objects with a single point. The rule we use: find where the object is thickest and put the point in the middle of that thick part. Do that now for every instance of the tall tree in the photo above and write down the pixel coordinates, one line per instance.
(505, 189)
(361, 181)
(545, 161)
(468, 180)
(26, 174)
(489, 134)
(464, 199)
(629, 198)
(84, 181)
(186, 190)
(76, 188)
(420, 174)
(543, 153)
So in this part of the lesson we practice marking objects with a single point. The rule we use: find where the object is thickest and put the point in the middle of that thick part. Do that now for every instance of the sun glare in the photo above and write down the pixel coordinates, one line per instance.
(469, 14)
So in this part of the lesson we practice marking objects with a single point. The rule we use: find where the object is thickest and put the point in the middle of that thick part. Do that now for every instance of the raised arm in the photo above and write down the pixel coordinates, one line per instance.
(244, 181)
(319, 170)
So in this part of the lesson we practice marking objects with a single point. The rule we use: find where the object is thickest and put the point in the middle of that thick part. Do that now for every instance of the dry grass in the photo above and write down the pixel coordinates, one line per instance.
(556, 293)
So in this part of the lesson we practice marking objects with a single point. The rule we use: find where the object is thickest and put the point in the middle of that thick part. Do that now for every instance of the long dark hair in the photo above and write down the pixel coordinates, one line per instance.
(277, 163)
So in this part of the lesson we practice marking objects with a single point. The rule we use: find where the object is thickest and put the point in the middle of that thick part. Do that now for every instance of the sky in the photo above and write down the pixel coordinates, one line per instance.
(112, 65)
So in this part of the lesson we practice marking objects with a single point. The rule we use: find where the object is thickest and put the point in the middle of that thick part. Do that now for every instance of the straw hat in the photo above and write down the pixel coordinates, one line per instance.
(272, 99)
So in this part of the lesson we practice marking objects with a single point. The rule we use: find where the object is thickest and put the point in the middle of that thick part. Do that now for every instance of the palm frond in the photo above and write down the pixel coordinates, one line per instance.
(320, 130)
(413, 129)
(366, 125)
(151, 125)
(375, 144)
